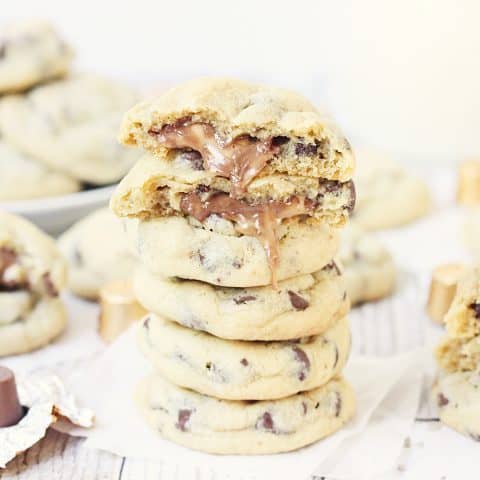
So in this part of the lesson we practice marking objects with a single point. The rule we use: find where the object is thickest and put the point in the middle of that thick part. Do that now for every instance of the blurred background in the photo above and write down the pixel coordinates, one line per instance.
(400, 76)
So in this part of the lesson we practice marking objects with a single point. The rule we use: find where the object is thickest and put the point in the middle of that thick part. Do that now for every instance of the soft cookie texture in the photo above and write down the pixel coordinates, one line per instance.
(70, 126)
(387, 195)
(157, 185)
(97, 251)
(32, 273)
(368, 267)
(460, 349)
(463, 317)
(31, 52)
(290, 135)
(301, 306)
(239, 370)
(245, 427)
(213, 252)
(457, 396)
(22, 177)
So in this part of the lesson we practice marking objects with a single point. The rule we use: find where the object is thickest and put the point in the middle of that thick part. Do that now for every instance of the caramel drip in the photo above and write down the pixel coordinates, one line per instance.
(240, 159)
(260, 221)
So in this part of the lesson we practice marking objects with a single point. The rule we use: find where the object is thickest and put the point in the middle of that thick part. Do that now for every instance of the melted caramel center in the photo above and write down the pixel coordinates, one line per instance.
(240, 159)
(260, 221)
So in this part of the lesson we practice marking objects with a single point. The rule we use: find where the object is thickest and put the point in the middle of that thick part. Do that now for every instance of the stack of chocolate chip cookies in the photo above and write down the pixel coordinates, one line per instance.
(234, 213)
(457, 390)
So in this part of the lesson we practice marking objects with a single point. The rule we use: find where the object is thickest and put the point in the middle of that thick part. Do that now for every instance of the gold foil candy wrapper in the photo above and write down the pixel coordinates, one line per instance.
(118, 309)
(45, 399)
(442, 289)
(468, 188)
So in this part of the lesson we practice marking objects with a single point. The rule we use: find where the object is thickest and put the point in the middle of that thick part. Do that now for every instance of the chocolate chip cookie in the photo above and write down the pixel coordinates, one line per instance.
(214, 252)
(70, 126)
(245, 427)
(301, 306)
(239, 370)
(32, 273)
(388, 195)
(97, 251)
(368, 267)
(31, 52)
(457, 396)
(22, 177)
(241, 131)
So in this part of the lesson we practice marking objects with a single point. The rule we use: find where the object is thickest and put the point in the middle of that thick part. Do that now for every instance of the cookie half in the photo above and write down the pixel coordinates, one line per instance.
(70, 126)
(32, 273)
(298, 307)
(239, 370)
(457, 396)
(31, 52)
(174, 184)
(459, 354)
(97, 251)
(463, 317)
(241, 427)
(368, 267)
(242, 131)
(215, 253)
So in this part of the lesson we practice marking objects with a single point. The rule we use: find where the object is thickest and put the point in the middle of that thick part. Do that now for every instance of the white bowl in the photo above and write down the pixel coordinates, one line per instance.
(55, 214)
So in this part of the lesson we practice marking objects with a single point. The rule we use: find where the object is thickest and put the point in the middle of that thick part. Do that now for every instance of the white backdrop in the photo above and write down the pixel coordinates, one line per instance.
(403, 76)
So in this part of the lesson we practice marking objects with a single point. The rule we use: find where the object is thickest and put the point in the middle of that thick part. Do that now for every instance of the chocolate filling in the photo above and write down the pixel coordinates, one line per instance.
(259, 221)
(239, 159)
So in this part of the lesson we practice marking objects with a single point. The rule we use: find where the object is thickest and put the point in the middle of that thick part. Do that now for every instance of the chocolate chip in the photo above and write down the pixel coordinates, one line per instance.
(476, 308)
(194, 159)
(301, 356)
(146, 323)
(306, 149)
(183, 418)
(237, 263)
(353, 197)
(338, 404)
(317, 405)
(442, 400)
(244, 362)
(202, 188)
(279, 141)
(304, 408)
(332, 266)
(49, 286)
(330, 186)
(208, 365)
(336, 357)
(244, 299)
(265, 422)
(298, 303)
